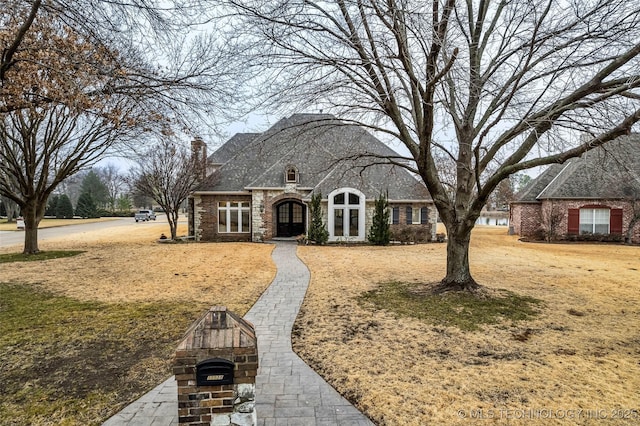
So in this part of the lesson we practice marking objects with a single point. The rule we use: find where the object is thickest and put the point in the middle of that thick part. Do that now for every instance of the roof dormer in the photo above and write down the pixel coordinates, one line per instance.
(291, 174)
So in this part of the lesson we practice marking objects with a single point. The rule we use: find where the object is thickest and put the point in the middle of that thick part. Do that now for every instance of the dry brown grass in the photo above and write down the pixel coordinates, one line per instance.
(85, 335)
(581, 352)
(126, 264)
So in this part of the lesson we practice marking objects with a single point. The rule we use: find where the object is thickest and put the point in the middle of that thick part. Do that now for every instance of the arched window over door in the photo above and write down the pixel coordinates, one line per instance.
(346, 215)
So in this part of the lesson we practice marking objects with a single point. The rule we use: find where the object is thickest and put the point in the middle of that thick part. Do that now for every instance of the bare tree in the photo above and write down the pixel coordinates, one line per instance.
(74, 85)
(168, 173)
(114, 181)
(162, 64)
(552, 217)
(497, 86)
(503, 194)
(43, 143)
(40, 147)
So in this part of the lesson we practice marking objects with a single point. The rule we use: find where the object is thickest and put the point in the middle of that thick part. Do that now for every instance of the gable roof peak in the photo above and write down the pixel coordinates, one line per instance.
(300, 119)
(610, 171)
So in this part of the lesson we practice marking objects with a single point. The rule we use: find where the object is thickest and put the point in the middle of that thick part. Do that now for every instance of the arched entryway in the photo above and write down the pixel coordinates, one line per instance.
(290, 219)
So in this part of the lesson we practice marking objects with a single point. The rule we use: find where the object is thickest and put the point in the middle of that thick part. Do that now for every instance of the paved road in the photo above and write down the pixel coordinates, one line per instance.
(11, 238)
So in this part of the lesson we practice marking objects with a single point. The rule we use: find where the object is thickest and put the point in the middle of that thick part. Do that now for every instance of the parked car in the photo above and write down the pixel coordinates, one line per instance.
(145, 215)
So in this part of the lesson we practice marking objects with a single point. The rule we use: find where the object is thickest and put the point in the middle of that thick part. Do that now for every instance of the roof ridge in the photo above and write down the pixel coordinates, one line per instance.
(556, 177)
(264, 172)
(229, 144)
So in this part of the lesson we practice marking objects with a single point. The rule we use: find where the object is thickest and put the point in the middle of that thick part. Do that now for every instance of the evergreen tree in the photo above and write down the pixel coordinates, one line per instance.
(380, 232)
(9, 208)
(124, 203)
(64, 209)
(52, 202)
(86, 207)
(317, 230)
(93, 185)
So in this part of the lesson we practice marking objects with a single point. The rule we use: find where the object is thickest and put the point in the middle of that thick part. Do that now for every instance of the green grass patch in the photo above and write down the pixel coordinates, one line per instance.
(43, 255)
(70, 362)
(466, 311)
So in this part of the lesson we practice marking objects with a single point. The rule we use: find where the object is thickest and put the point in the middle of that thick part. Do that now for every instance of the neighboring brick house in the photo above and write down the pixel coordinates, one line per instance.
(259, 184)
(597, 194)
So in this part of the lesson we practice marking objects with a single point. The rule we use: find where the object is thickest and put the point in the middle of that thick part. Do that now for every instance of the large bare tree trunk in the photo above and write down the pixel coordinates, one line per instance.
(31, 221)
(458, 276)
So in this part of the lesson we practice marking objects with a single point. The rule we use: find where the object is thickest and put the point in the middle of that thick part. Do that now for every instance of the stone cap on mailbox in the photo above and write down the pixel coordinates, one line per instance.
(219, 328)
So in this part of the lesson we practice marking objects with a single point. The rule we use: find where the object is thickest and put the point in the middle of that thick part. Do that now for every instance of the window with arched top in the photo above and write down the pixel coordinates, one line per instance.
(346, 215)
(291, 174)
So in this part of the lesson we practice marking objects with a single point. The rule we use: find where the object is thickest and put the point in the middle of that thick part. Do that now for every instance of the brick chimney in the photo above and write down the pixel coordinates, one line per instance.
(199, 153)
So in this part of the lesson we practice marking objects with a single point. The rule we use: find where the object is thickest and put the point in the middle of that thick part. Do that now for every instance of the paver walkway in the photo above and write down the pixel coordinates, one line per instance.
(288, 391)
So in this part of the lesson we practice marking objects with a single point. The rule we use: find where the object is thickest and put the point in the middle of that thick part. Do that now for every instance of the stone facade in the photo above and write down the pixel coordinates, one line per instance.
(258, 225)
(263, 204)
(532, 220)
(276, 170)
(272, 199)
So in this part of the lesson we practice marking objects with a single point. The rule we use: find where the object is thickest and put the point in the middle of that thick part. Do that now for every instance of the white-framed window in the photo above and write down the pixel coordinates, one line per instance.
(291, 174)
(594, 221)
(346, 214)
(417, 216)
(394, 215)
(233, 217)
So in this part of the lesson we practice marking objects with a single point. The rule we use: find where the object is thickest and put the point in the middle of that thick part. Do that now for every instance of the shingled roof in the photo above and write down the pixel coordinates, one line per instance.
(234, 145)
(609, 172)
(328, 153)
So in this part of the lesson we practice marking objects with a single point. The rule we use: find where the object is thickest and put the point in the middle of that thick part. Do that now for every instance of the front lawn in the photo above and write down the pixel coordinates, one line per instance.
(466, 311)
(83, 336)
(66, 361)
(427, 361)
(43, 255)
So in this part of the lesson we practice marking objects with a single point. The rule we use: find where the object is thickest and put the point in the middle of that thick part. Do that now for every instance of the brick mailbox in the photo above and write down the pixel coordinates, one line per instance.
(215, 366)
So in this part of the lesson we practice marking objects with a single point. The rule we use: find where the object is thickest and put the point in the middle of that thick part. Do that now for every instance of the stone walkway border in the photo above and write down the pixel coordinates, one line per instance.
(288, 391)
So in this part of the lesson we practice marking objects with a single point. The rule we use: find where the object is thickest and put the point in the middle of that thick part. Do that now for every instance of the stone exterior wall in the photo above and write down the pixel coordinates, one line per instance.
(272, 199)
(258, 225)
(532, 220)
(263, 220)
